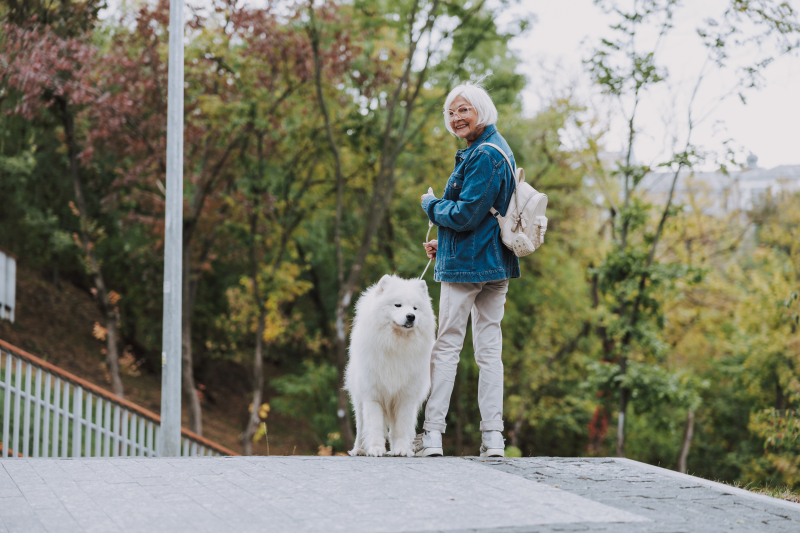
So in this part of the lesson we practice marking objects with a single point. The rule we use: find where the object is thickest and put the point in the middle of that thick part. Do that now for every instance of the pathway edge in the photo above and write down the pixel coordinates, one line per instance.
(711, 484)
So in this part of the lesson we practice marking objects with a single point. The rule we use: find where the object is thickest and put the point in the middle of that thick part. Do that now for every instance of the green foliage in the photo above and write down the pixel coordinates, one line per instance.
(309, 396)
(68, 17)
(781, 433)
(632, 282)
(652, 387)
(513, 451)
(779, 429)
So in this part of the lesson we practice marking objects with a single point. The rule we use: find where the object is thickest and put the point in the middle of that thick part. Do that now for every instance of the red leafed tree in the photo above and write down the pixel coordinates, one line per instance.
(244, 68)
(135, 70)
(54, 74)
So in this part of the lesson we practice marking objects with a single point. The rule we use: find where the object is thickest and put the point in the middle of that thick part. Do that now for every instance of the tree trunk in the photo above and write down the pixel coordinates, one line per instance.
(598, 427)
(343, 407)
(258, 359)
(106, 307)
(687, 441)
(623, 403)
(112, 358)
(623, 407)
(515, 442)
(258, 387)
(187, 370)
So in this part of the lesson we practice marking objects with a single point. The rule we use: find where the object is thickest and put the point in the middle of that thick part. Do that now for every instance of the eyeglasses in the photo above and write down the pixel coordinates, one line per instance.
(461, 113)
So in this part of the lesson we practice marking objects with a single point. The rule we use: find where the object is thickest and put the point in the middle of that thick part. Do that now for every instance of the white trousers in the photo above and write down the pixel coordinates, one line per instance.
(486, 302)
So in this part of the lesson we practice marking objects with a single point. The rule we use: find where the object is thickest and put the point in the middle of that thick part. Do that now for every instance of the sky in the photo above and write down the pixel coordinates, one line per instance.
(566, 31)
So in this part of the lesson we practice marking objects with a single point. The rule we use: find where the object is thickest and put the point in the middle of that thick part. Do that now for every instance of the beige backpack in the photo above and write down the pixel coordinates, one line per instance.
(524, 226)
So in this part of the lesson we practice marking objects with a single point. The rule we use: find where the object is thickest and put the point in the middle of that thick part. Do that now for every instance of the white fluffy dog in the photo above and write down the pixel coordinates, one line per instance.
(389, 372)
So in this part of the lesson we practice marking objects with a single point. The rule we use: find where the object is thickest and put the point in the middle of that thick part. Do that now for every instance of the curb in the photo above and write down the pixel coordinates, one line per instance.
(711, 484)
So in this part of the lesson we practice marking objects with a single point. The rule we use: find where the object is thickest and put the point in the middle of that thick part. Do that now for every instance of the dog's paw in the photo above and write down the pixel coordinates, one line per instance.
(402, 450)
(356, 451)
(375, 451)
(401, 453)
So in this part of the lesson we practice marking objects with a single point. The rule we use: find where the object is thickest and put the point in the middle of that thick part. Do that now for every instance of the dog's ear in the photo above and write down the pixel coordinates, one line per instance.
(424, 285)
(384, 282)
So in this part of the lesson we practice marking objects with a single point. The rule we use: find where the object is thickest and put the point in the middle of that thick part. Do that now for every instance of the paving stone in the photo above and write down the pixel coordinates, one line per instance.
(19, 517)
(310, 494)
(672, 501)
(21, 473)
(57, 520)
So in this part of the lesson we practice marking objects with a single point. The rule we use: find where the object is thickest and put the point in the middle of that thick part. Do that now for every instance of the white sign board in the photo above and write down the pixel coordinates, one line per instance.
(8, 284)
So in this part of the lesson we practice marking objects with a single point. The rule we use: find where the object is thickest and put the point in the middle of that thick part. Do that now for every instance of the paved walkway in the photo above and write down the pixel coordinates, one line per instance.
(311, 494)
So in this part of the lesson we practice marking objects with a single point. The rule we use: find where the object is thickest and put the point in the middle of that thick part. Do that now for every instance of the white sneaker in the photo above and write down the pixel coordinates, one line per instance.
(493, 444)
(428, 444)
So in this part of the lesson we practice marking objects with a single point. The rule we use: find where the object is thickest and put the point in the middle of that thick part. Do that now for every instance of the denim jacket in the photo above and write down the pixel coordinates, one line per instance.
(470, 249)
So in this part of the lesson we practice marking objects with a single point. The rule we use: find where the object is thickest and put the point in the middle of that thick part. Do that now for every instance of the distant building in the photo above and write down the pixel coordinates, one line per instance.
(8, 284)
(739, 190)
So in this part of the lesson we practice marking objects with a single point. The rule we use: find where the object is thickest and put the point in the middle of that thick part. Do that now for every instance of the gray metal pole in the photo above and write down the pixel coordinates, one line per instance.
(169, 444)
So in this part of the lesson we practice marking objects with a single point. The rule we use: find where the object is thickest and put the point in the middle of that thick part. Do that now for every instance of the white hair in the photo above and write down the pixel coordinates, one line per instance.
(476, 95)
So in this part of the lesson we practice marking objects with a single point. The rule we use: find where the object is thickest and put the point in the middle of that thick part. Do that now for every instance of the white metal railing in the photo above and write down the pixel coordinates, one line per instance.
(48, 412)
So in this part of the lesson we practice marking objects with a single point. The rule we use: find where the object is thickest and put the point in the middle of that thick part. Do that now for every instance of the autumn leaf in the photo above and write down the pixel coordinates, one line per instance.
(99, 332)
(261, 432)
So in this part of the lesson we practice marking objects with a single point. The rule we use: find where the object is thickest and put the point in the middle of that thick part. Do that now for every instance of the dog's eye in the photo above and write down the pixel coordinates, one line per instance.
(415, 309)
(397, 305)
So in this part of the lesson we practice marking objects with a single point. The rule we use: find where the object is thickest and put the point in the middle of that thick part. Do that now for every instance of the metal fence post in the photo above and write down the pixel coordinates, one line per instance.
(6, 404)
(169, 443)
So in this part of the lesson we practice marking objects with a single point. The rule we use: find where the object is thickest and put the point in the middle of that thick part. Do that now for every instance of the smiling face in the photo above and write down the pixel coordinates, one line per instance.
(463, 119)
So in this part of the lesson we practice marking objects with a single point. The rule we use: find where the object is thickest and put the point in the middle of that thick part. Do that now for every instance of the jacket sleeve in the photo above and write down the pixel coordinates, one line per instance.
(478, 194)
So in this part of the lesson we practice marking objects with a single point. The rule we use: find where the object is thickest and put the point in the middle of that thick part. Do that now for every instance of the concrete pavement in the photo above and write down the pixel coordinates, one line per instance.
(310, 494)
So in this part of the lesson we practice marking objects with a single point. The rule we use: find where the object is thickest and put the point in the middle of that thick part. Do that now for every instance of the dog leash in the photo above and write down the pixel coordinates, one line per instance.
(430, 225)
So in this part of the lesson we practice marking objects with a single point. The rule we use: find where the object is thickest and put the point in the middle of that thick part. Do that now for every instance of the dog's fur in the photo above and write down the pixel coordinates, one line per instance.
(389, 372)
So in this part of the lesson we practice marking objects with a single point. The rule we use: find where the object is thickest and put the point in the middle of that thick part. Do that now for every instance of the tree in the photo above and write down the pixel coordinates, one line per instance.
(402, 76)
(67, 18)
(242, 65)
(277, 196)
(55, 73)
(631, 275)
(292, 182)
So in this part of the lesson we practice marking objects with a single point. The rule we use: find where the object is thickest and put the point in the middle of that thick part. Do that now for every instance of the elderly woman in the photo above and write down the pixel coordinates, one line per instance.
(474, 267)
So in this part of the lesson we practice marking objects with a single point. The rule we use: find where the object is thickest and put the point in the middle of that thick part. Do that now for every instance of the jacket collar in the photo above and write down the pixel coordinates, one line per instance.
(487, 132)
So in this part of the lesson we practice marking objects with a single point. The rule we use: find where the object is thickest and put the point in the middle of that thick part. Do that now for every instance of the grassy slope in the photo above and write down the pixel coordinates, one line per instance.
(56, 325)
(781, 492)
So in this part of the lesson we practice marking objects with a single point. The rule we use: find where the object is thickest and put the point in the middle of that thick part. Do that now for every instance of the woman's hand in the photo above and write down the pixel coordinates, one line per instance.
(430, 248)
(429, 193)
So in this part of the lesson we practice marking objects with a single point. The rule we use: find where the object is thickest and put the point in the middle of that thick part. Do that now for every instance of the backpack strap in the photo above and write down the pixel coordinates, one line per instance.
(493, 211)
(513, 173)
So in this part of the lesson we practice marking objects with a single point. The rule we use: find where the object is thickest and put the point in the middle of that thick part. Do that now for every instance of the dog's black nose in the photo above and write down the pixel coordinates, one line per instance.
(410, 317)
